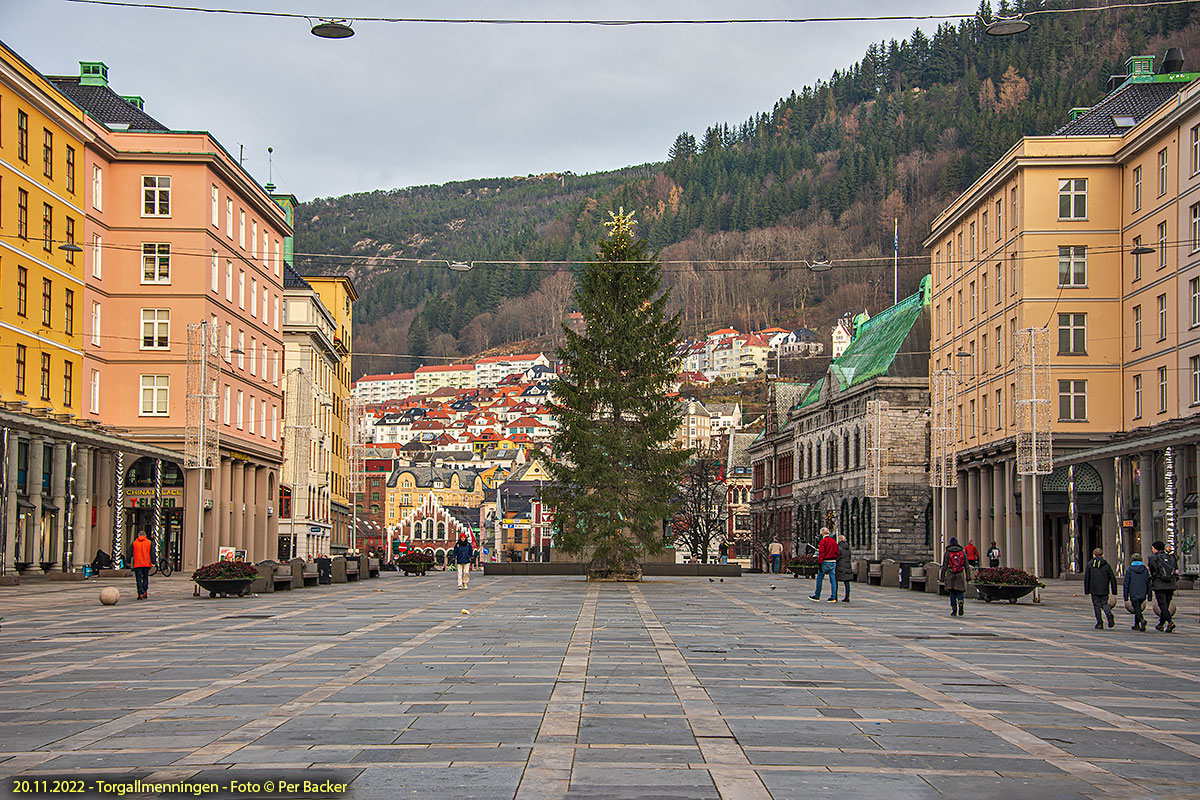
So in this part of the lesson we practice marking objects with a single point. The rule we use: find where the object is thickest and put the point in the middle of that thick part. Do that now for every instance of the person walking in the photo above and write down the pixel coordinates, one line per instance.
(972, 554)
(1164, 572)
(776, 551)
(827, 555)
(1137, 589)
(993, 556)
(845, 566)
(142, 559)
(724, 551)
(1098, 580)
(463, 553)
(954, 576)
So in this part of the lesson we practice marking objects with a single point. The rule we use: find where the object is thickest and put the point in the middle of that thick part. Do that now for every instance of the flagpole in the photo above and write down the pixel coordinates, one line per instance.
(896, 261)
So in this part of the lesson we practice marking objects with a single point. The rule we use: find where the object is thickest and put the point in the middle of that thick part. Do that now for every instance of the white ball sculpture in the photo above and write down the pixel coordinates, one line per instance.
(110, 595)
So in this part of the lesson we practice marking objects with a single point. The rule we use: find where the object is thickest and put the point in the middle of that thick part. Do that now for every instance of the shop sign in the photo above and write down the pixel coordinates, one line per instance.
(144, 498)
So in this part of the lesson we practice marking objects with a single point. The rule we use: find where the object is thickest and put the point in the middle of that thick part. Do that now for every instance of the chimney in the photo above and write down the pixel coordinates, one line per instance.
(93, 73)
(1172, 61)
(1139, 66)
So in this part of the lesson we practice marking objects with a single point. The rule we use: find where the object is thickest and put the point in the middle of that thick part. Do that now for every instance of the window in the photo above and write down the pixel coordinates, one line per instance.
(983, 285)
(242, 228)
(1137, 396)
(47, 299)
(1162, 317)
(69, 312)
(266, 305)
(156, 263)
(22, 213)
(226, 405)
(241, 349)
(254, 297)
(974, 250)
(960, 308)
(95, 324)
(1012, 208)
(70, 176)
(47, 228)
(1072, 334)
(20, 369)
(1072, 401)
(97, 248)
(156, 196)
(45, 377)
(1137, 188)
(1137, 259)
(215, 277)
(1195, 149)
(999, 423)
(254, 239)
(229, 217)
(1072, 266)
(1162, 172)
(1162, 245)
(276, 258)
(156, 328)
(240, 413)
(1012, 273)
(94, 391)
(1072, 198)
(97, 188)
(229, 281)
(949, 260)
(983, 349)
(253, 354)
(1137, 327)
(228, 342)
(974, 305)
(1162, 390)
(999, 283)
(241, 288)
(973, 427)
(47, 153)
(216, 207)
(155, 395)
(999, 220)
(999, 352)
(23, 136)
(69, 225)
(985, 230)
(68, 383)
(983, 413)
(1194, 363)
(1195, 227)
(250, 418)
(1194, 293)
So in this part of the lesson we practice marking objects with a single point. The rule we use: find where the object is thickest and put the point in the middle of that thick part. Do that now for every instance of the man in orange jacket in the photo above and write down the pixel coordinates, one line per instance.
(141, 564)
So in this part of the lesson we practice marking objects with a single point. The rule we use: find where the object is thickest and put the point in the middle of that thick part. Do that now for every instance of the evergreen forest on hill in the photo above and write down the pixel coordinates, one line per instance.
(820, 176)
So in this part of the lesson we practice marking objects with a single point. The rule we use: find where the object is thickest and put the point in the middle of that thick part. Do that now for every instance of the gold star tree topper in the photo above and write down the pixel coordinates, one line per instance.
(620, 223)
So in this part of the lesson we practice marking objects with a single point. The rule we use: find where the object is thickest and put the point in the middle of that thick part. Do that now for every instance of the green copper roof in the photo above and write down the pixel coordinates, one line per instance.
(874, 346)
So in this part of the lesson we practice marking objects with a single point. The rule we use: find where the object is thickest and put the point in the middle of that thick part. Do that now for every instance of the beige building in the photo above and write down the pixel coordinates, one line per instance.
(429, 379)
(695, 426)
(1094, 234)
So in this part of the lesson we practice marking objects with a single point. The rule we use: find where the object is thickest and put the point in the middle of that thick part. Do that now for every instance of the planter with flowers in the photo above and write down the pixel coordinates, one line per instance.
(226, 577)
(804, 566)
(414, 563)
(1004, 583)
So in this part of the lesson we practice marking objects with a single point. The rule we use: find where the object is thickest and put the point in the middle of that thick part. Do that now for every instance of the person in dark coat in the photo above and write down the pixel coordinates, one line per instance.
(1164, 573)
(463, 553)
(1099, 581)
(955, 573)
(844, 571)
(1137, 589)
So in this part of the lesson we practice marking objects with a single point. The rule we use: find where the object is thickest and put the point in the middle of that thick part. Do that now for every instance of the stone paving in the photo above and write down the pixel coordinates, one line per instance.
(552, 687)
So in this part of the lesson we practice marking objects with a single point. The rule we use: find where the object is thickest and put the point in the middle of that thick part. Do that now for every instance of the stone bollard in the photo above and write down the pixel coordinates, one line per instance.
(110, 596)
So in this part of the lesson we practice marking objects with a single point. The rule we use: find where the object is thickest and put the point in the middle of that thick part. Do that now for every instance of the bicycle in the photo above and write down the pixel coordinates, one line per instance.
(162, 566)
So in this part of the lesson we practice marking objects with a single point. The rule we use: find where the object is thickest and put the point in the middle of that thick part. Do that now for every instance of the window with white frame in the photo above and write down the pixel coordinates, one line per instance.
(156, 329)
(1072, 265)
(999, 282)
(254, 239)
(156, 395)
(999, 350)
(252, 414)
(1195, 214)
(1012, 208)
(1195, 149)
(1162, 244)
(1137, 188)
(1162, 172)
(241, 288)
(241, 416)
(1012, 273)
(1137, 258)
(254, 297)
(228, 342)
(1163, 393)
(156, 196)
(1137, 327)
(1137, 396)
(229, 218)
(226, 406)
(1072, 401)
(229, 281)
(974, 302)
(1194, 297)
(97, 187)
(97, 244)
(156, 262)
(1072, 198)
(1072, 334)
(985, 229)
(94, 392)
(1162, 317)
(216, 207)
(277, 258)
(276, 315)
(266, 305)
(241, 349)
(253, 354)
(999, 411)
(95, 323)
(266, 241)
(215, 278)
(274, 423)
(242, 228)
(1194, 363)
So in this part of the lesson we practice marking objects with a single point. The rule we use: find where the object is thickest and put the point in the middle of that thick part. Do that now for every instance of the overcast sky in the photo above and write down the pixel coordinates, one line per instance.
(403, 105)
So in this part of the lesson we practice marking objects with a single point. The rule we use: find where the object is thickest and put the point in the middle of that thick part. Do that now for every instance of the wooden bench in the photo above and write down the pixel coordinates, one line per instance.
(351, 569)
(308, 573)
(373, 568)
(281, 576)
(916, 579)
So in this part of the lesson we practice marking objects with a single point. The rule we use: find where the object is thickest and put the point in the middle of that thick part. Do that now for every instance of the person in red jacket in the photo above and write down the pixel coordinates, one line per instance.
(827, 554)
(972, 554)
(141, 564)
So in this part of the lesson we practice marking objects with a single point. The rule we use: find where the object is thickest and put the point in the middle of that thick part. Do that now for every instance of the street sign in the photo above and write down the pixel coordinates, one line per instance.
(485, 551)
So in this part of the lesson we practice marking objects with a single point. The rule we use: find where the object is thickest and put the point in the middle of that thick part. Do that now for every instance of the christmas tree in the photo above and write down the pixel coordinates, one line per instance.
(615, 474)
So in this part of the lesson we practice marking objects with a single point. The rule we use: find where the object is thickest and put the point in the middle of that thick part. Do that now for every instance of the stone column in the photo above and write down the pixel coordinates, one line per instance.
(987, 513)
(31, 547)
(1012, 552)
(999, 506)
(250, 494)
(10, 508)
(105, 498)
(237, 510)
(961, 501)
(262, 523)
(224, 510)
(56, 536)
(1146, 493)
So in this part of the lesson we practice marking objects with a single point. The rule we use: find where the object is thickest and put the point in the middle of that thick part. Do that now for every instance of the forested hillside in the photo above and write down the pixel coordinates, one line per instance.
(820, 176)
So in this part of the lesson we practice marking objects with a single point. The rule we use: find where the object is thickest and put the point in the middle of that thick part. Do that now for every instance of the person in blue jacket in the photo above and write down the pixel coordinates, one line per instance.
(1137, 589)
(463, 553)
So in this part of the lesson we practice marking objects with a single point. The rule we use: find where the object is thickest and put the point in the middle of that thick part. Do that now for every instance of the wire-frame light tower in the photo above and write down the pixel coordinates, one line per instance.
(1031, 348)
(201, 436)
(299, 390)
(356, 467)
(878, 450)
(943, 430)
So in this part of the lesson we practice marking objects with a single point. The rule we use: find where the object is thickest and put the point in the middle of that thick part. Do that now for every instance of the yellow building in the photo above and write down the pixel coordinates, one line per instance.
(429, 379)
(338, 295)
(1086, 235)
(407, 487)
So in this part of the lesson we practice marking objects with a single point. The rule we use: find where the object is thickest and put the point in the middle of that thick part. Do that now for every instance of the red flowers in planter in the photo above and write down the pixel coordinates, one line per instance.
(226, 571)
(1005, 576)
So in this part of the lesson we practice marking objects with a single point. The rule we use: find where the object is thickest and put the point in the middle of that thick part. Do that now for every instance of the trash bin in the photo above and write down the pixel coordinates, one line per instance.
(324, 570)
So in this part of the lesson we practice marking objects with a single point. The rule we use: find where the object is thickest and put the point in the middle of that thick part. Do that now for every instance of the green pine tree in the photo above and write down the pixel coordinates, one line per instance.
(615, 475)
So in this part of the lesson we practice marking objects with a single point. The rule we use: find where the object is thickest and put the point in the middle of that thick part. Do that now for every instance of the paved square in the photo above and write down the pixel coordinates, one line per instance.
(552, 687)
